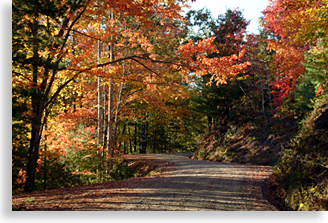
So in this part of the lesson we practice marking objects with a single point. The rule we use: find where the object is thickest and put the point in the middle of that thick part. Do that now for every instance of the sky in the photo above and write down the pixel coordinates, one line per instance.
(251, 9)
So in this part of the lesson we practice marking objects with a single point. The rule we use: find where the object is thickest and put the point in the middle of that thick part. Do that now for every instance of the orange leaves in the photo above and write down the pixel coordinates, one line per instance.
(204, 46)
(200, 59)
(219, 56)
(132, 31)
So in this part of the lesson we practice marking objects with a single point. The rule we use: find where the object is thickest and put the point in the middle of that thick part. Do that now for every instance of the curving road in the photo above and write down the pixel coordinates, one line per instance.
(188, 185)
(201, 186)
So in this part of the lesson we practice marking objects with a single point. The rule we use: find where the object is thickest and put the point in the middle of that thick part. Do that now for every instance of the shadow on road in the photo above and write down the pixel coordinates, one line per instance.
(189, 185)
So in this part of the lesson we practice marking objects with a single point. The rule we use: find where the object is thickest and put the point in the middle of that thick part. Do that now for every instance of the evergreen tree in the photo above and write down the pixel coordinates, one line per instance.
(315, 80)
(216, 102)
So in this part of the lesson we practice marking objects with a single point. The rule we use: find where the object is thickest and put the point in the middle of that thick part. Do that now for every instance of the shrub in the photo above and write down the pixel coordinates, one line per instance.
(302, 173)
(121, 171)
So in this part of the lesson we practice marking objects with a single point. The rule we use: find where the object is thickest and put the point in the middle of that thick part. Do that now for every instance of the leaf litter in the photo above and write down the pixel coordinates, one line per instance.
(176, 187)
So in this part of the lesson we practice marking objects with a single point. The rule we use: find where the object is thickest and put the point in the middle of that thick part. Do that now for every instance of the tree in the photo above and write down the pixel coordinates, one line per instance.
(40, 36)
(219, 52)
(312, 85)
(296, 25)
(54, 43)
(218, 58)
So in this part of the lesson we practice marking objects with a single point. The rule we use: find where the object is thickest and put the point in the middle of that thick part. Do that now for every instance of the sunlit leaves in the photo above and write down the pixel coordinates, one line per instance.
(197, 60)
(297, 25)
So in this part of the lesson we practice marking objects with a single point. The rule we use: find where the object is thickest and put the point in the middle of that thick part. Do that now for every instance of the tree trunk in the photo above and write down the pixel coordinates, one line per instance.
(45, 150)
(110, 139)
(124, 143)
(40, 99)
(135, 137)
(104, 130)
(100, 113)
(263, 100)
(33, 152)
(100, 107)
(130, 140)
(110, 144)
(154, 141)
(144, 136)
(37, 111)
(269, 89)
(262, 90)
(209, 120)
(247, 95)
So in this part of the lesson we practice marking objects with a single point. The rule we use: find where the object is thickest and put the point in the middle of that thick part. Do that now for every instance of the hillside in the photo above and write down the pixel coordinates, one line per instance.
(97, 83)
(301, 175)
(245, 144)
(300, 160)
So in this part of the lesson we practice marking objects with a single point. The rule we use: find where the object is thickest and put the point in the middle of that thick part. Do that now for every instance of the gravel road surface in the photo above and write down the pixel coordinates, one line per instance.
(187, 185)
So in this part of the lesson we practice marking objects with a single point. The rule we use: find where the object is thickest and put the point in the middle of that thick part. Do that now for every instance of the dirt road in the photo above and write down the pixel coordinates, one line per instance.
(188, 185)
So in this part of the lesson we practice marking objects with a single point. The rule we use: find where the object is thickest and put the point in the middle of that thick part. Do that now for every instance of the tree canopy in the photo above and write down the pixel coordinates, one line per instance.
(94, 80)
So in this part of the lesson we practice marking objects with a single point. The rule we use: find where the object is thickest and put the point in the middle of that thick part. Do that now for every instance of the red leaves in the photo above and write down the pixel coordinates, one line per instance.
(289, 20)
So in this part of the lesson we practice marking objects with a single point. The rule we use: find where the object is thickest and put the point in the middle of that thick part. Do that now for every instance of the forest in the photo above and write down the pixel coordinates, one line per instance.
(95, 80)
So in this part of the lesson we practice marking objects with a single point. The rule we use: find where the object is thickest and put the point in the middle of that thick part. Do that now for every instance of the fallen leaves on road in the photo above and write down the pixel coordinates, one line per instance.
(118, 195)
(107, 195)
(257, 175)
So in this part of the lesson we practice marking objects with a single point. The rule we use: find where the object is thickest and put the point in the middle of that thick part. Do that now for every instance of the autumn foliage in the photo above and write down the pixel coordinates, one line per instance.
(296, 26)
(203, 62)
(94, 80)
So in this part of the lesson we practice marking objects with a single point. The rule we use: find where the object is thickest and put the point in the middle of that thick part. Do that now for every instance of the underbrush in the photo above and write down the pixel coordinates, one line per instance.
(301, 176)
(60, 176)
(299, 156)
(126, 169)
(247, 144)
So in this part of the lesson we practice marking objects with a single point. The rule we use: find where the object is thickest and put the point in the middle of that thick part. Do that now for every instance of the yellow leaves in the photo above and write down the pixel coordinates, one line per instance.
(88, 156)
(303, 20)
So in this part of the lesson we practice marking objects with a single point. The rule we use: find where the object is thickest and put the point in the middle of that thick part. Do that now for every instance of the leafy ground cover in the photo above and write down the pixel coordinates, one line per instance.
(136, 166)
(301, 176)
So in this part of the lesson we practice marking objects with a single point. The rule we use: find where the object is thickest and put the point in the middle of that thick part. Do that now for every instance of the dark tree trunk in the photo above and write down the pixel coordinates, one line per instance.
(135, 138)
(209, 119)
(37, 110)
(33, 152)
(144, 137)
(130, 140)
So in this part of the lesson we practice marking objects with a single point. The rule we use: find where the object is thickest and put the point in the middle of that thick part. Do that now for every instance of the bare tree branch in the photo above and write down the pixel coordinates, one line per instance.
(92, 37)
(60, 88)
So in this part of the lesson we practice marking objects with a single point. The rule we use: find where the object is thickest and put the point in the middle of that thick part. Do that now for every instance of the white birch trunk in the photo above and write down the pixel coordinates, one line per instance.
(110, 141)
(100, 107)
